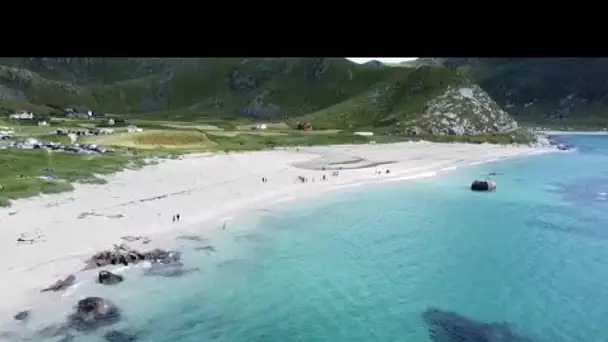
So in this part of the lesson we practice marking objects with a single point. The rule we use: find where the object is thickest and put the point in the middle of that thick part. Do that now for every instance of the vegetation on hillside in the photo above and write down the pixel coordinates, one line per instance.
(330, 92)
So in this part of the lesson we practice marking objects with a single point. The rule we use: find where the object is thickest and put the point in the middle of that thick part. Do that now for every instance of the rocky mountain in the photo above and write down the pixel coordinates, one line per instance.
(540, 90)
(328, 92)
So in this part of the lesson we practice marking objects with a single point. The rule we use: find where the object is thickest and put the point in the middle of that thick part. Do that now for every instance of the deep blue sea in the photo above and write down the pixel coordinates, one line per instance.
(418, 261)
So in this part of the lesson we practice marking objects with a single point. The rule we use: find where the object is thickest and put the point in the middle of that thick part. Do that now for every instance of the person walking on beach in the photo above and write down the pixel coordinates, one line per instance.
(173, 218)
(177, 217)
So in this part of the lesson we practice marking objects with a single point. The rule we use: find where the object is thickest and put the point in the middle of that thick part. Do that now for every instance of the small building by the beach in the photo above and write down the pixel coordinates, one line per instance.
(365, 134)
(304, 126)
(23, 115)
(134, 129)
(259, 127)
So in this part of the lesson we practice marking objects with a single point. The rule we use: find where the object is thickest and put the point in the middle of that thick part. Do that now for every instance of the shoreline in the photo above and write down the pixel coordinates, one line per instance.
(573, 132)
(204, 191)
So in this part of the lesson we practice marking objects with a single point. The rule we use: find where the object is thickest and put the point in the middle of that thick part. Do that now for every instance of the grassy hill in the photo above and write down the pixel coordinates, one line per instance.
(570, 91)
(332, 93)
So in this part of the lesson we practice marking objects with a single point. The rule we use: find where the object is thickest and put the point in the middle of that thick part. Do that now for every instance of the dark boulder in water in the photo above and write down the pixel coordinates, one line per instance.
(54, 330)
(61, 284)
(92, 313)
(22, 315)
(109, 278)
(445, 326)
(67, 338)
(206, 249)
(169, 270)
(195, 238)
(483, 185)
(119, 336)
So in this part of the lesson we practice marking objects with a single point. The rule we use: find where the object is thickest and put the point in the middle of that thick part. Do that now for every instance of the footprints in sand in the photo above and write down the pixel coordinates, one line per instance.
(110, 216)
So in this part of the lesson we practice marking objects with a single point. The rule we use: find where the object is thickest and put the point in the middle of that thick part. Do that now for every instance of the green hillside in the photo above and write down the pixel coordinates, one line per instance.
(331, 93)
(570, 91)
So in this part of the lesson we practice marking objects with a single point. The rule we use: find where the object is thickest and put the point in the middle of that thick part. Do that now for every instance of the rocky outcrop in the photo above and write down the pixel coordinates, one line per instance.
(126, 255)
(61, 284)
(466, 110)
(555, 90)
(22, 315)
(90, 314)
(258, 107)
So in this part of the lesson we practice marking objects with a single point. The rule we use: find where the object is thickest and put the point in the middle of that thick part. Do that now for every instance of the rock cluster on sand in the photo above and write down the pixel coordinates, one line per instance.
(126, 255)
(22, 315)
(61, 284)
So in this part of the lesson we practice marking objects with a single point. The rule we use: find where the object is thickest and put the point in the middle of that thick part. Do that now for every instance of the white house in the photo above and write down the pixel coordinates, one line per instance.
(365, 134)
(134, 129)
(5, 131)
(106, 131)
(22, 116)
(260, 126)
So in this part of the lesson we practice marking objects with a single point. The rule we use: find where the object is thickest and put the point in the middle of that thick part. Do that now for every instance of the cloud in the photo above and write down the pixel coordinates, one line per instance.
(381, 59)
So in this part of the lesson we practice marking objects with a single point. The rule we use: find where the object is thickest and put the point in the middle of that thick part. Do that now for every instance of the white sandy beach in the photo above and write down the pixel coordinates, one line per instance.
(200, 188)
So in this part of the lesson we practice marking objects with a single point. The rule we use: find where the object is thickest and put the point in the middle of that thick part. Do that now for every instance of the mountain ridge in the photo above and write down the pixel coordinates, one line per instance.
(328, 92)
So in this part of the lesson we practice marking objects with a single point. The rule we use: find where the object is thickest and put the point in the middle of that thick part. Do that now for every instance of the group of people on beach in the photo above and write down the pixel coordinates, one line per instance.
(264, 180)
(304, 179)
(379, 172)
(176, 218)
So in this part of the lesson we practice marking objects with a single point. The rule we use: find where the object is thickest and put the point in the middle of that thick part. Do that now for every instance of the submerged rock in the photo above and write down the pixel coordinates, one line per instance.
(92, 313)
(119, 336)
(445, 326)
(22, 315)
(168, 270)
(196, 238)
(163, 257)
(67, 338)
(54, 330)
(109, 278)
(206, 249)
(61, 284)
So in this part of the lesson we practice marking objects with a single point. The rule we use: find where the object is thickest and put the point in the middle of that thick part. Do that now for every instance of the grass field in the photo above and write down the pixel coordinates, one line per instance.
(20, 171)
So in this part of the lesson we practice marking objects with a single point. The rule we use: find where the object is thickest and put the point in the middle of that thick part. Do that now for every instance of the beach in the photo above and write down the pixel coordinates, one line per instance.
(205, 190)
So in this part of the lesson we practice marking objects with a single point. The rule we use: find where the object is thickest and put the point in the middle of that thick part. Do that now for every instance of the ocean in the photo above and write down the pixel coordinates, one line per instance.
(417, 261)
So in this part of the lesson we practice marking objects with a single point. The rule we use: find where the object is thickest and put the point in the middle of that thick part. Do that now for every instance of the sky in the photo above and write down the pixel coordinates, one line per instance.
(381, 59)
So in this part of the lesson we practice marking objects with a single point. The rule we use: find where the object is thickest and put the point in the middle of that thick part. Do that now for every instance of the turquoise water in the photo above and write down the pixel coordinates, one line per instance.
(366, 264)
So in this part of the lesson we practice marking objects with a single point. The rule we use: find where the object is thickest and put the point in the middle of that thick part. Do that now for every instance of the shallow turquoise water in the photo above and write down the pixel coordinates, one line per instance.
(366, 264)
